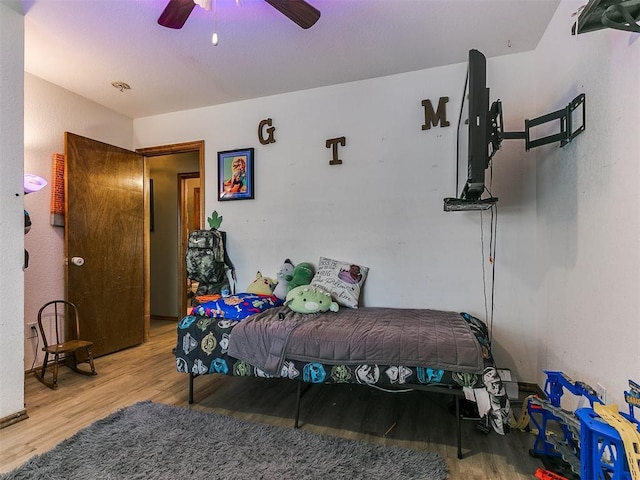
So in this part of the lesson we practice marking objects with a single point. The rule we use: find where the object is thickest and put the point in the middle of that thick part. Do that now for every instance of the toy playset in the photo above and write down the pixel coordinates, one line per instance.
(597, 442)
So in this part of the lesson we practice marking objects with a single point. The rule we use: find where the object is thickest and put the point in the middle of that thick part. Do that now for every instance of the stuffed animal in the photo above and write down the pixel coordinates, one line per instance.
(308, 299)
(285, 272)
(262, 285)
(302, 275)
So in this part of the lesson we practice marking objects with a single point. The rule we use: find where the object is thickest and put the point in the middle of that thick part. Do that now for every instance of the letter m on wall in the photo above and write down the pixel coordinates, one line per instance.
(431, 117)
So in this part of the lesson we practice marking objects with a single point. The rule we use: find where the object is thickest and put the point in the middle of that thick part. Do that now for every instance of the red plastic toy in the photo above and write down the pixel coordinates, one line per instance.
(543, 474)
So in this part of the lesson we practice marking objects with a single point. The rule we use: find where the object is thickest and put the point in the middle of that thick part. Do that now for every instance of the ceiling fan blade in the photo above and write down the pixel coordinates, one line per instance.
(176, 13)
(299, 11)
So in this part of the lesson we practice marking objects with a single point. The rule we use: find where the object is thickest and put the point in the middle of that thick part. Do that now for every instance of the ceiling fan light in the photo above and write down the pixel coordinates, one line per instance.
(214, 37)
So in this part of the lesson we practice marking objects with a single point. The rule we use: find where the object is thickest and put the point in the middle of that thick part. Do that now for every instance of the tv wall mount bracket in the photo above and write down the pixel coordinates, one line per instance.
(571, 124)
(616, 14)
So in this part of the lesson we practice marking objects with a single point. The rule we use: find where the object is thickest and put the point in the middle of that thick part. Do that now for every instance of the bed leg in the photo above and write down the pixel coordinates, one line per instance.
(458, 429)
(191, 375)
(301, 392)
(295, 425)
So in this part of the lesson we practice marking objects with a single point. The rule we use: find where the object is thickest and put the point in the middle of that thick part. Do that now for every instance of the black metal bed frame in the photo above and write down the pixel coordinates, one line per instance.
(456, 393)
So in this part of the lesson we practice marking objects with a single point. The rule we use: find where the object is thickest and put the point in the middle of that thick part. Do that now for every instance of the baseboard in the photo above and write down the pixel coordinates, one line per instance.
(38, 368)
(164, 318)
(531, 389)
(13, 418)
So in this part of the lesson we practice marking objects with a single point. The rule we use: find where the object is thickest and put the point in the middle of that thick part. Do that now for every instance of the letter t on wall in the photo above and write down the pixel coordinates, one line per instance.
(333, 143)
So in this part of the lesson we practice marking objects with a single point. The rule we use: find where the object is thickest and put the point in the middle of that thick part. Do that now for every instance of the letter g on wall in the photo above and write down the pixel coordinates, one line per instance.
(266, 126)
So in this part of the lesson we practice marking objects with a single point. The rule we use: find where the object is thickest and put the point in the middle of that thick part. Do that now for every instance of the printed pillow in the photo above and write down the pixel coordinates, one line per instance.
(343, 280)
(238, 306)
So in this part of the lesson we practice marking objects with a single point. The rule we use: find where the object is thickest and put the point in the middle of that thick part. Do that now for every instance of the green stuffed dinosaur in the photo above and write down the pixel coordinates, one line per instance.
(301, 275)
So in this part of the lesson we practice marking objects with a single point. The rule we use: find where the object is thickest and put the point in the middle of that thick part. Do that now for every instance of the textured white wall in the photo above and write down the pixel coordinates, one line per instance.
(589, 208)
(49, 111)
(11, 211)
(383, 206)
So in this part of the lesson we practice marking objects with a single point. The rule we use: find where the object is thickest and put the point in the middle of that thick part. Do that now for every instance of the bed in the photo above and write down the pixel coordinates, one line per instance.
(432, 350)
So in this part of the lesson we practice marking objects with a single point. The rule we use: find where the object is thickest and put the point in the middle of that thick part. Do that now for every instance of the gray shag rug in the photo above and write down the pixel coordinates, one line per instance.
(155, 441)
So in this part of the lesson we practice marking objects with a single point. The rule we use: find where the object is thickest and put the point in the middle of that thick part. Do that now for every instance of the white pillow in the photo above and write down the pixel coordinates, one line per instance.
(343, 280)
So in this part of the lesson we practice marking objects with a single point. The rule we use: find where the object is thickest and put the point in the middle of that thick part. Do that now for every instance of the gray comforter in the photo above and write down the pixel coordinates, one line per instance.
(368, 335)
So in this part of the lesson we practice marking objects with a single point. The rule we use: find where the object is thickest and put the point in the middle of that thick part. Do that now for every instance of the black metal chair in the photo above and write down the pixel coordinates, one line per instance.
(54, 315)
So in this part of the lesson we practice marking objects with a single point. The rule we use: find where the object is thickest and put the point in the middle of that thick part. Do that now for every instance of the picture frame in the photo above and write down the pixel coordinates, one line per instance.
(235, 174)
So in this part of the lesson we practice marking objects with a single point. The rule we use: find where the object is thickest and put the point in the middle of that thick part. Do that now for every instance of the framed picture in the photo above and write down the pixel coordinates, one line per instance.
(235, 174)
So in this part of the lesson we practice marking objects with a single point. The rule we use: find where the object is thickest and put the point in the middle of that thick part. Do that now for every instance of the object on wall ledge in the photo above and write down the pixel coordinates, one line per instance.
(57, 191)
(235, 174)
(468, 205)
(616, 14)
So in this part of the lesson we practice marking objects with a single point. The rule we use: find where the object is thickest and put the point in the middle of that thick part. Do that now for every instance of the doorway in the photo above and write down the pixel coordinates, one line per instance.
(176, 173)
(189, 219)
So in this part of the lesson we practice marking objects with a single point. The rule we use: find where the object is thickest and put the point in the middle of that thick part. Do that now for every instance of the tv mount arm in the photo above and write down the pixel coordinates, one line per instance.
(568, 131)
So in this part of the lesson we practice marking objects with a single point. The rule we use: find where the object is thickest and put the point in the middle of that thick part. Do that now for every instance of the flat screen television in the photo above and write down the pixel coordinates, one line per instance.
(478, 137)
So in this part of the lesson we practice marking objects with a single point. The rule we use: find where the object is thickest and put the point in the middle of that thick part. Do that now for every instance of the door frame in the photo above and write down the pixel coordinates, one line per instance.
(186, 147)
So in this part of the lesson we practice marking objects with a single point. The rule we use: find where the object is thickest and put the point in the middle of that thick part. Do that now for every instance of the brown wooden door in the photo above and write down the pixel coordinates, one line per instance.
(104, 226)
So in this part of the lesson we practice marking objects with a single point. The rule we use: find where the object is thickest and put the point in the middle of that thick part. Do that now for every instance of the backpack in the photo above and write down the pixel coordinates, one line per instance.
(207, 261)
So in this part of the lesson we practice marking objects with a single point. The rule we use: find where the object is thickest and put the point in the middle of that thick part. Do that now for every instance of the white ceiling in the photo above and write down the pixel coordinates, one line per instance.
(84, 45)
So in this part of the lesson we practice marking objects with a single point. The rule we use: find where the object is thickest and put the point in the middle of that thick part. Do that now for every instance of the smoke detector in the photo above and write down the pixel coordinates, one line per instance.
(122, 86)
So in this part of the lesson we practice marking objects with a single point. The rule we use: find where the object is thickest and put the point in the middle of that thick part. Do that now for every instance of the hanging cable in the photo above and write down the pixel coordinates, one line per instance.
(492, 256)
(489, 301)
(35, 352)
(493, 231)
(484, 273)
(391, 390)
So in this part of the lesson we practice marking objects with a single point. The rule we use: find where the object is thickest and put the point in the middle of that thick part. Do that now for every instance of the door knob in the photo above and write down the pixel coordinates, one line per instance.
(77, 261)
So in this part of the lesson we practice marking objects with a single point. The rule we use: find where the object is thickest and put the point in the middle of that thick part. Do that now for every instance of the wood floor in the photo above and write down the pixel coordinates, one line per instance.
(416, 420)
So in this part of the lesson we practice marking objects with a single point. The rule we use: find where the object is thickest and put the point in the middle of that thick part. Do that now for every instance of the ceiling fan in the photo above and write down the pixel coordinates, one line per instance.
(302, 13)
